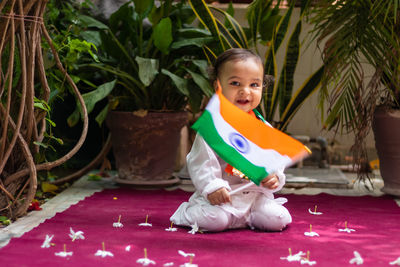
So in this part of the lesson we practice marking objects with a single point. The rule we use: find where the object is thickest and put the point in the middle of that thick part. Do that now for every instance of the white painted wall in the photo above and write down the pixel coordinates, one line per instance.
(307, 121)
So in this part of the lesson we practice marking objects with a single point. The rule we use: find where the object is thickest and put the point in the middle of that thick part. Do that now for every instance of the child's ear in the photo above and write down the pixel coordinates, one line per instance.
(215, 84)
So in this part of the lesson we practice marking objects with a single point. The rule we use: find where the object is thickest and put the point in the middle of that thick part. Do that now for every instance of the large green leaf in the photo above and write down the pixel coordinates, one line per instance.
(230, 22)
(193, 32)
(143, 7)
(210, 54)
(162, 35)
(202, 65)
(199, 42)
(270, 95)
(203, 83)
(92, 37)
(227, 37)
(179, 82)
(258, 13)
(91, 99)
(287, 75)
(283, 27)
(92, 22)
(196, 97)
(148, 69)
(101, 117)
(205, 16)
(302, 94)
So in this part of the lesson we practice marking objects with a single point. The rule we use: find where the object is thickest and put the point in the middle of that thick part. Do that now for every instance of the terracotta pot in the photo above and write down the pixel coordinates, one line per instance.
(145, 148)
(386, 127)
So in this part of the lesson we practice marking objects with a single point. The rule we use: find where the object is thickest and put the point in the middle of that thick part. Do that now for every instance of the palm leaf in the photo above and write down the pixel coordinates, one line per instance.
(206, 18)
(310, 86)
(285, 83)
(236, 27)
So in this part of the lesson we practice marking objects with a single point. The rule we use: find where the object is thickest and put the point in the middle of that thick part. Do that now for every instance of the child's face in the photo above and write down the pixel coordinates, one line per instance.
(241, 82)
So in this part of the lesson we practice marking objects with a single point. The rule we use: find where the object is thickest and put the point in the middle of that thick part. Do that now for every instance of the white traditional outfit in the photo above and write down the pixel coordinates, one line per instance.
(255, 206)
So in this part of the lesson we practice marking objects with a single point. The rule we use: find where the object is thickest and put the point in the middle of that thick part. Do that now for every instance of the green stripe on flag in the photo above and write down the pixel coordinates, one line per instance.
(206, 128)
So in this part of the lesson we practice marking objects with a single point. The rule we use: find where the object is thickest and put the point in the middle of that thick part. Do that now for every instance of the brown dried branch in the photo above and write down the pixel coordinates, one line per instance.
(32, 170)
(20, 124)
(96, 161)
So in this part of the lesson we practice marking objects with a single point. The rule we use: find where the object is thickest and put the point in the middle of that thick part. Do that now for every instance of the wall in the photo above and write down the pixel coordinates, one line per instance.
(307, 121)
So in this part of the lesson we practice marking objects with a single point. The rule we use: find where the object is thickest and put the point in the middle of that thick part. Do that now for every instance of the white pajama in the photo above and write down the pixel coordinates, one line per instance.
(254, 207)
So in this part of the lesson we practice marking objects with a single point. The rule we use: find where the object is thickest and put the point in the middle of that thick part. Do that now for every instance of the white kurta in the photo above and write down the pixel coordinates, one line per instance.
(254, 207)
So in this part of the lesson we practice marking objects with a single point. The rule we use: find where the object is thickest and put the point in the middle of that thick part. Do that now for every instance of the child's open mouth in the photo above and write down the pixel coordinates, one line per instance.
(242, 101)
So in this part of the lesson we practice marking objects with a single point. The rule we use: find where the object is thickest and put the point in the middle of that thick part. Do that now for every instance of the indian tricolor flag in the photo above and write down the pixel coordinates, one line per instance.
(251, 146)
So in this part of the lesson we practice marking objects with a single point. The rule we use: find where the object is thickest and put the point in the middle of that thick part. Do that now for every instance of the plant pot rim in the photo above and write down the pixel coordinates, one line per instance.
(394, 112)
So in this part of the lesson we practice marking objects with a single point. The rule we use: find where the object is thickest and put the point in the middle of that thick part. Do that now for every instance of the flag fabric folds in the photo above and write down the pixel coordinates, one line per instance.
(251, 146)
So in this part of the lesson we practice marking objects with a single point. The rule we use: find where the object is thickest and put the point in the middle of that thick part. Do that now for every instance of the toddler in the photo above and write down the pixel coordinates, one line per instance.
(240, 74)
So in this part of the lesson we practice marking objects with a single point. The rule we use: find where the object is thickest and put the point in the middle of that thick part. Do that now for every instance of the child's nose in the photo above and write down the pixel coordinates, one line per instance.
(245, 90)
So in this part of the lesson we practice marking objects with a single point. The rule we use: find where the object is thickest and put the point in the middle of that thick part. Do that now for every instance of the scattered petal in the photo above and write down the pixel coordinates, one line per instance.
(75, 235)
(171, 229)
(305, 261)
(188, 264)
(168, 264)
(348, 230)
(314, 212)
(128, 248)
(182, 253)
(145, 261)
(63, 254)
(103, 253)
(357, 259)
(118, 225)
(311, 234)
(46, 243)
(295, 257)
(35, 205)
(395, 262)
(145, 224)
(195, 229)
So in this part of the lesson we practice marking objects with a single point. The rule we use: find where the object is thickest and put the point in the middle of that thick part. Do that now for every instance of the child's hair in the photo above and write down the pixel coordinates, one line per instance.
(235, 54)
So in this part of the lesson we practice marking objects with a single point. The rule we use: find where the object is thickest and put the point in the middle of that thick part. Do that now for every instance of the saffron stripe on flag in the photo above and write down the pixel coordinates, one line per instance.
(258, 132)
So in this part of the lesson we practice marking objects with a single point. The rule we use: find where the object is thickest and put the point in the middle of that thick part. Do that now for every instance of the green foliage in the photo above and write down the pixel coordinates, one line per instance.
(66, 31)
(154, 55)
(358, 35)
(267, 27)
(4, 220)
(74, 47)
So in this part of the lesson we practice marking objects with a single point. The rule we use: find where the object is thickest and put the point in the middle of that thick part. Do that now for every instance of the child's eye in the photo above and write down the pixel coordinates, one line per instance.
(255, 85)
(234, 83)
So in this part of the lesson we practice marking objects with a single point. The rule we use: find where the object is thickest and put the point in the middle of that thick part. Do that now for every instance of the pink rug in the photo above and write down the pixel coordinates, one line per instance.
(375, 221)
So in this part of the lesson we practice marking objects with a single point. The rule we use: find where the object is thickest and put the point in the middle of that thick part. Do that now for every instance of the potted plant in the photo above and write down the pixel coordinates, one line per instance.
(360, 43)
(152, 71)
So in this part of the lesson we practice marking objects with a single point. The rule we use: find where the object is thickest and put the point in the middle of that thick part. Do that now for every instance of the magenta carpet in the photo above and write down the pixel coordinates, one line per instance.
(375, 221)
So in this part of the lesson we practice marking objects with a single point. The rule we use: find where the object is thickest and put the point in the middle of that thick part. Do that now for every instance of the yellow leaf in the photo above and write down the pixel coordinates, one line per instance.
(48, 188)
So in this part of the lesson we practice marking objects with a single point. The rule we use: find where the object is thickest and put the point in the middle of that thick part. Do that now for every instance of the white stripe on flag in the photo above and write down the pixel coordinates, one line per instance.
(270, 159)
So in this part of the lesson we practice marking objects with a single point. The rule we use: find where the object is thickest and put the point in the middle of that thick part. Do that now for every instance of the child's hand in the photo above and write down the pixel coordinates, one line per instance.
(271, 181)
(219, 197)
